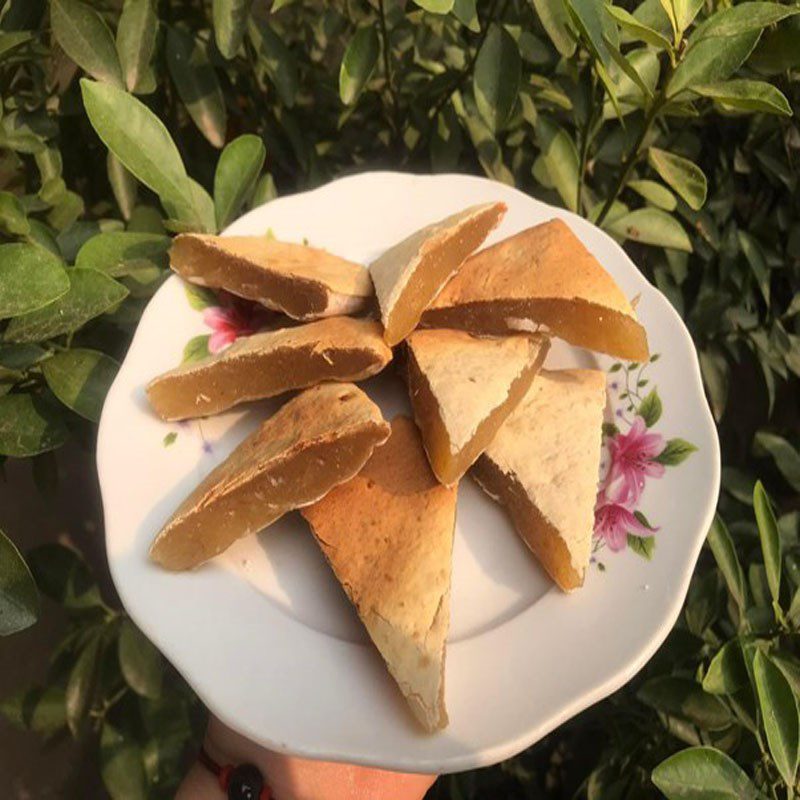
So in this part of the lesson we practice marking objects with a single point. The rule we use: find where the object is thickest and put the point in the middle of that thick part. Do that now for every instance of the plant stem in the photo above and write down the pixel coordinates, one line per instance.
(632, 157)
(457, 81)
(387, 67)
(585, 141)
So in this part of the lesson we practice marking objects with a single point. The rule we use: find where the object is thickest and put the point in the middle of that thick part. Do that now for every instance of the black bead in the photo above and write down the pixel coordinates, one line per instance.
(245, 783)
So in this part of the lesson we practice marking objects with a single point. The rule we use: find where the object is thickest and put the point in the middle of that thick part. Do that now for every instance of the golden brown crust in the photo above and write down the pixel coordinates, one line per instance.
(301, 281)
(270, 363)
(543, 275)
(319, 439)
(388, 536)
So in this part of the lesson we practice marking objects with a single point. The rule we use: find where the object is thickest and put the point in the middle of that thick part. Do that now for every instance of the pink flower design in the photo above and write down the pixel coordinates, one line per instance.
(613, 522)
(632, 460)
(232, 318)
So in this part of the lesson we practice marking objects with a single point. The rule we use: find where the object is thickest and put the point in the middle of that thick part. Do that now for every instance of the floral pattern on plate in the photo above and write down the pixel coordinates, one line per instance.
(633, 453)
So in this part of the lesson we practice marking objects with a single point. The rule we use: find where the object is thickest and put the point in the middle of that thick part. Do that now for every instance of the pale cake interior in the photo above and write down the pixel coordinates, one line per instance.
(460, 408)
(544, 463)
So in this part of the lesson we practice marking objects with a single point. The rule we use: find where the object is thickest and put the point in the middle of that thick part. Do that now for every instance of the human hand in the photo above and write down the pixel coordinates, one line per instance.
(292, 778)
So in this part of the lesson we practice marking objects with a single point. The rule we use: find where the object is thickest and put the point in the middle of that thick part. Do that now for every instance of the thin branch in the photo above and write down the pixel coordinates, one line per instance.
(458, 80)
(631, 158)
(586, 140)
(387, 67)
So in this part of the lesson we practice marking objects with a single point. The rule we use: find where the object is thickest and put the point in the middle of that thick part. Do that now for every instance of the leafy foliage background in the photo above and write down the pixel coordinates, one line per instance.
(671, 123)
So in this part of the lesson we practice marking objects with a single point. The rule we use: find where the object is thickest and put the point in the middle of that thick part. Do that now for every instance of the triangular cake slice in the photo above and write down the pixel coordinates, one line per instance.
(462, 388)
(543, 466)
(301, 281)
(541, 279)
(388, 535)
(409, 275)
(270, 363)
(319, 439)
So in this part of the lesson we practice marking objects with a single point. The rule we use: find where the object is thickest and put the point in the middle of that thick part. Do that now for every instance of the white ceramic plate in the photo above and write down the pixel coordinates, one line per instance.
(264, 633)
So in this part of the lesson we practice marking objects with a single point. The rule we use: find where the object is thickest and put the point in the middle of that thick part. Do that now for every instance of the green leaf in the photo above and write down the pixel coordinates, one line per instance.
(743, 18)
(30, 278)
(112, 252)
(650, 408)
(786, 457)
(64, 213)
(86, 39)
(264, 191)
(655, 194)
(747, 95)
(770, 539)
(778, 49)
(446, 141)
(230, 22)
(199, 297)
(587, 17)
(636, 74)
(12, 40)
(20, 356)
(238, 169)
(643, 546)
(62, 575)
(711, 61)
(19, 600)
(197, 84)
(726, 673)
(80, 379)
(358, 63)
(123, 185)
(169, 439)
(13, 219)
(675, 452)
(651, 226)
(136, 42)
(36, 709)
(27, 132)
(496, 78)
(715, 371)
(780, 715)
(90, 294)
(465, 11)
(29, 426)
(196, 348)
(555, 20)
(685, 12)
(436, 6)
(560, 157)
(758, 263)
(141, 142)
(703, 773)
(721, 544)
(82, 683)
(669, 10)
(685, 177)
(276, 58)
(683, 698)
(122, 766)
(639, 30)
(139, 661)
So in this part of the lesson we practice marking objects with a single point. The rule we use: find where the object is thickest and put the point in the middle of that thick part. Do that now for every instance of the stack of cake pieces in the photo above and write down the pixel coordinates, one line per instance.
(380, 498)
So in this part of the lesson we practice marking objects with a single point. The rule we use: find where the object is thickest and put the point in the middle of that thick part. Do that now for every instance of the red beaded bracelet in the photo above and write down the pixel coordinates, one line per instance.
(244, 782)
